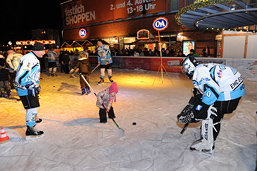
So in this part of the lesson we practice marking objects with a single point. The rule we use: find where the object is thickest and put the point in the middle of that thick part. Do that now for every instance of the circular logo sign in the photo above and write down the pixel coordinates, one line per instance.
(160, 23)
(82, 33)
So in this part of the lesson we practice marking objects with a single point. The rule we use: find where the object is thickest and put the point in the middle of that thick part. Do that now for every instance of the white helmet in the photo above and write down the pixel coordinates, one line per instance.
(188, 66)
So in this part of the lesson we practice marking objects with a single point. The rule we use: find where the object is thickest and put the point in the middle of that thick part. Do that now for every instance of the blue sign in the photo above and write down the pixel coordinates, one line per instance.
(160, 23)
(82, 33)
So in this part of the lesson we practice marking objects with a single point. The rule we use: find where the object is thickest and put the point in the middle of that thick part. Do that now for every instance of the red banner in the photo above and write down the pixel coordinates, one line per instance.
(83, 12)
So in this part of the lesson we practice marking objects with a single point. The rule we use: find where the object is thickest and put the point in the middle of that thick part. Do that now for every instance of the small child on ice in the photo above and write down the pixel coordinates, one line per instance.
(85, 69)
(106, 98)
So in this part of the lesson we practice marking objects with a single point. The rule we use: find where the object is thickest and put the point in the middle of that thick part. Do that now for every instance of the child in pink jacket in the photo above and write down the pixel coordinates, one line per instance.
(104, 102)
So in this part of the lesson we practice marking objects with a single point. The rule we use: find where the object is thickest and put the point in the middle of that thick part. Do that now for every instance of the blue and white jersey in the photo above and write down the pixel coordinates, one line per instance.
(104, 54)
(218, 82)
(28, 71)
(51, 56)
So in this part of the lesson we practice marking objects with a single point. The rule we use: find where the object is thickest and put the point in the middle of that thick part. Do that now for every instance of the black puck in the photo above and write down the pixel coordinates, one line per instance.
(134, 123)
(53, 86)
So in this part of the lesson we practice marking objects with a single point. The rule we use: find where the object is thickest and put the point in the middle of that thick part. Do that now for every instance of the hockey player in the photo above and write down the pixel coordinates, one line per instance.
(13, 60)
(104, 60)
(104, 102)
(85, 69)
(218, 90)
(51, 56)
(27, 87)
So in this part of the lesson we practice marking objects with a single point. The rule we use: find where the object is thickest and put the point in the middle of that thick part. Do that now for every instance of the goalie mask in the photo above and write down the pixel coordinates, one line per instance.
(188, 66)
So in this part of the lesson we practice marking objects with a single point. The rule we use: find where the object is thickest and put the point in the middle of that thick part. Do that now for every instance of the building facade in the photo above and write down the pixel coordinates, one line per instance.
(118, 21)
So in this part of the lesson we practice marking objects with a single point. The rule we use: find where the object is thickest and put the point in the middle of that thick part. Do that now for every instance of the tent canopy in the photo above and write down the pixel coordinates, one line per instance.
(218, 14)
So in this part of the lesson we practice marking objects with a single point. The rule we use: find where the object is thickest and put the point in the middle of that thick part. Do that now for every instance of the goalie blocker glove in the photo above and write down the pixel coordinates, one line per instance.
(195, 111)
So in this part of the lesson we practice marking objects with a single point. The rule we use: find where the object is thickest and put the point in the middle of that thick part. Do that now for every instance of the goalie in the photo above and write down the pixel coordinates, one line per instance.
(218, 90)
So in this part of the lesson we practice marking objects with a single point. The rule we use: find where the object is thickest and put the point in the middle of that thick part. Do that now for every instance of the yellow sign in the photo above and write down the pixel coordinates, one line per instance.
(199, 1)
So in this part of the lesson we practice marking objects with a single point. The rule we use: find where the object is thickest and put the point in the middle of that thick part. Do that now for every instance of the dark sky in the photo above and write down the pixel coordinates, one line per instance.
(18, 17)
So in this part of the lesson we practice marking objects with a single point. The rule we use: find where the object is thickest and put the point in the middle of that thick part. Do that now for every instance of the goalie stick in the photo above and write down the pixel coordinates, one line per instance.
(184, 128)
(123, 132)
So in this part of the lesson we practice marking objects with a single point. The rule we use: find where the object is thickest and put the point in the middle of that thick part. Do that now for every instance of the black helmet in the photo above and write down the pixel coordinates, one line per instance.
(188, 66)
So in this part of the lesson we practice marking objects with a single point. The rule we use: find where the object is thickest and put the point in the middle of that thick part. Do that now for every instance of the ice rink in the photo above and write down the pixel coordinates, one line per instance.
(75, 140)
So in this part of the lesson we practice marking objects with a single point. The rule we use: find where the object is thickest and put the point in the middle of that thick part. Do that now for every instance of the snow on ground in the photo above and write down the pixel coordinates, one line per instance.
(75, 140)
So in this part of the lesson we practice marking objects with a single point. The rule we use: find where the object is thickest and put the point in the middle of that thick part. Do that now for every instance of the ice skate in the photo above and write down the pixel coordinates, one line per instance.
(101, 81)
(32, 133)
(111, 80)
(88, 91)
(83, 91)
(39, 120)
(203, 146)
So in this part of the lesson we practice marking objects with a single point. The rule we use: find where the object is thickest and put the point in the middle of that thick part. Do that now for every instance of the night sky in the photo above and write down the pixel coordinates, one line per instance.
(18, 17)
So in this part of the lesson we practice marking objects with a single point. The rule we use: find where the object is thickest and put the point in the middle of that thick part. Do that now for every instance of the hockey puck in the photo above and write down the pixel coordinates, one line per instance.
(134, 123)
(53, 86)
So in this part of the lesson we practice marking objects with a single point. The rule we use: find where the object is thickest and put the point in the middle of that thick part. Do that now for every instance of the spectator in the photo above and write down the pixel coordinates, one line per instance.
(12, 61)
(136, 53)
(167, 53)
(66, 63)
(60, 60)
(4, 83)
(181, 54)
(51, 55)
(150, 53)
(193, 54)
(141, 53)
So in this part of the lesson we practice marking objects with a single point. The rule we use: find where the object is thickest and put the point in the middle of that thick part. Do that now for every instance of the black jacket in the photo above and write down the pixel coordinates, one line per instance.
(3, 72)
(84, 66)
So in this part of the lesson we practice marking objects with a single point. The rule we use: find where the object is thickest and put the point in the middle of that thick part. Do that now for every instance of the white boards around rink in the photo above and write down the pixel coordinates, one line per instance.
(239, 45)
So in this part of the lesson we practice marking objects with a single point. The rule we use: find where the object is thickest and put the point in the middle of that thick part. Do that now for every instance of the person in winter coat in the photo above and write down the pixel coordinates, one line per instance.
(51, 56)
(85, 69)
(104, 102)
(66, 62)
(4, 83)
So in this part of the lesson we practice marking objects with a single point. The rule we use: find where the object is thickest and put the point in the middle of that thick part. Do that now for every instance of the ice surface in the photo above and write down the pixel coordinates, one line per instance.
(75, 140)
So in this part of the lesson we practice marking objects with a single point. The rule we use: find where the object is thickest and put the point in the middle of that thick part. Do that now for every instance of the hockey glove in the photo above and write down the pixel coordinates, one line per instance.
(71, 71)
(186, 116)
(33, 90)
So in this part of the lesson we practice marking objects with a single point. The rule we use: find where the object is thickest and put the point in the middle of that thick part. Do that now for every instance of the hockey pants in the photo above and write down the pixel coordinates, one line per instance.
(102, 114)
(223, 107)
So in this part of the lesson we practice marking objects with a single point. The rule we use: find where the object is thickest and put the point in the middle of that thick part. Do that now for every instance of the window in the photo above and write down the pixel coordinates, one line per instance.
(174, 5)
(188, 2)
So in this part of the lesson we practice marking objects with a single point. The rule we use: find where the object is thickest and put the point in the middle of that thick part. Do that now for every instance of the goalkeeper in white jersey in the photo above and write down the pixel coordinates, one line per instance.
(218, 90)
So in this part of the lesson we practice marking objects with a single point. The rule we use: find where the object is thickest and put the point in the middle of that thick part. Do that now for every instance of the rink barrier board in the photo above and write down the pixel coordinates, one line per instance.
(247, 67)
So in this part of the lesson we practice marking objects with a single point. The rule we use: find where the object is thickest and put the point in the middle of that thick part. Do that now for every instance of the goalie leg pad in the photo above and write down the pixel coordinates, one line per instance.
(206, 144)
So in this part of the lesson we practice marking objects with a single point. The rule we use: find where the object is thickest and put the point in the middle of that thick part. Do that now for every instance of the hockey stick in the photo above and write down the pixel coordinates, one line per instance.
(102, 104)
(184, 128)
(94, 69)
